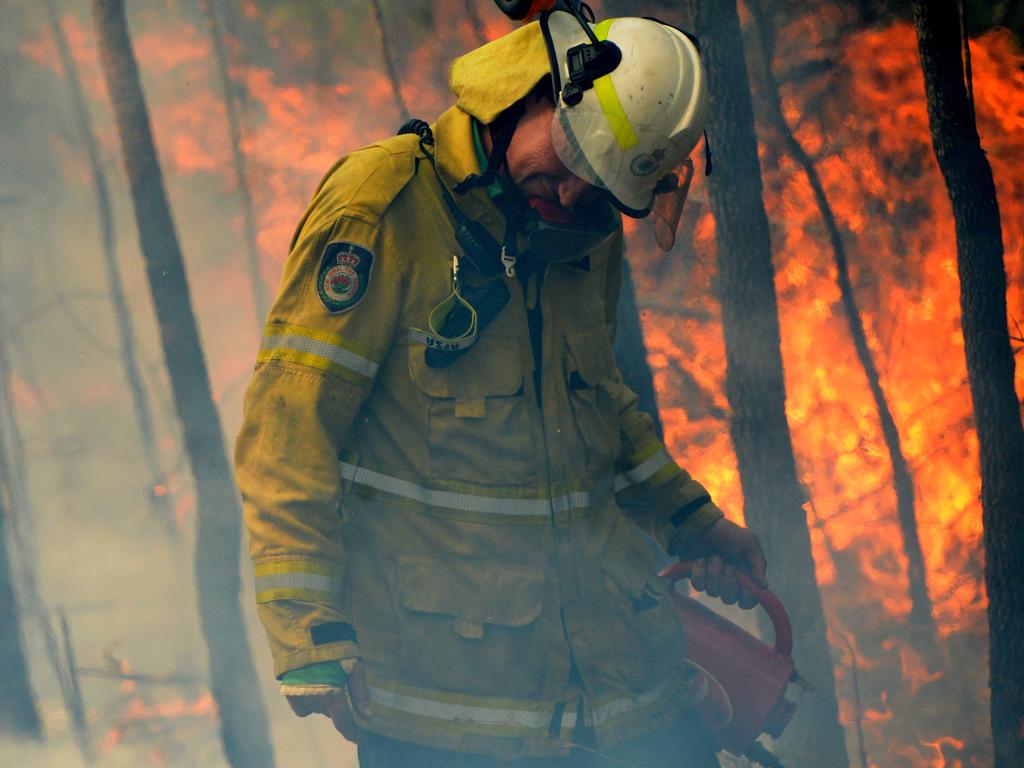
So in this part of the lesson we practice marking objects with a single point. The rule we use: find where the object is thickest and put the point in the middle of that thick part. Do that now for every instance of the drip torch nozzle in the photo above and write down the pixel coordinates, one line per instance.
(759, 754)
(801, 682)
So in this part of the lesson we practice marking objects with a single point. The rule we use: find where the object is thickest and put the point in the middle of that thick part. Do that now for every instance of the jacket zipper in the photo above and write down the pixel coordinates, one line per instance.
(532, 281)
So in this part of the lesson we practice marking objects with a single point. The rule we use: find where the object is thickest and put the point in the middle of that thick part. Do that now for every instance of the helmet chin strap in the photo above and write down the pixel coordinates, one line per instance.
(501, 137)
(551, 232)
(496, 171)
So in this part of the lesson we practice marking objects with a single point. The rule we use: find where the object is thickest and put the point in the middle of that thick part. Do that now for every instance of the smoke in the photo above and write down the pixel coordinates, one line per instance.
(313, 86)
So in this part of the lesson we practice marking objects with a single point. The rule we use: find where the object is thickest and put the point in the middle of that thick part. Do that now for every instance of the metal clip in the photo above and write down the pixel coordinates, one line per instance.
(509, 262)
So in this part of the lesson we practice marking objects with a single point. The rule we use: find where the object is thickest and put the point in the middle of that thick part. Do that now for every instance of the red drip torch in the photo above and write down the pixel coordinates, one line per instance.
(737, 683)
(523, 10)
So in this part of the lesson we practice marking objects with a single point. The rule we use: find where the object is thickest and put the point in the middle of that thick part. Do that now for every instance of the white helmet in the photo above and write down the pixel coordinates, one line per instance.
(638, 123)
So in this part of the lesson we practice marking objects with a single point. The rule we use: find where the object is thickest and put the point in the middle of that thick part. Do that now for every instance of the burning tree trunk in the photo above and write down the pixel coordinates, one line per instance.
(126, 330)
(18, 713)
(244, 727)
(259, 293)
(922, 623)
(990, 364)
(773, 497)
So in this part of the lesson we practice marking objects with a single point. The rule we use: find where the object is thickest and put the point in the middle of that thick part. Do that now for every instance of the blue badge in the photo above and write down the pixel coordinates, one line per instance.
(344, 275)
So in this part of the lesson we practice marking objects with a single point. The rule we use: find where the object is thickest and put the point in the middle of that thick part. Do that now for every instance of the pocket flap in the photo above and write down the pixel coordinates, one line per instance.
(473, 592)
(591, 353)
(633, 571)
(491, 368)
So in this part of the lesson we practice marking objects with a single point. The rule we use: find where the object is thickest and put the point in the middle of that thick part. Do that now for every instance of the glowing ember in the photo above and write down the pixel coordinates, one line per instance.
(140, 717)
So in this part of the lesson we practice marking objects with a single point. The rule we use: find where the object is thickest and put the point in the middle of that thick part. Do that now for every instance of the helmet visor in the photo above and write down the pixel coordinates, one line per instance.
(562, 242)
(668, 204)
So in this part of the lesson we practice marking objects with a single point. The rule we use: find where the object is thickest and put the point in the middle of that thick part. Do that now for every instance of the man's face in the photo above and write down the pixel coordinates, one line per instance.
(534, 166)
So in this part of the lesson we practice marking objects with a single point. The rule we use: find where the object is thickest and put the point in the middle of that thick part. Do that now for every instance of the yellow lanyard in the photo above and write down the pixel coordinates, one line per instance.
(434, 338)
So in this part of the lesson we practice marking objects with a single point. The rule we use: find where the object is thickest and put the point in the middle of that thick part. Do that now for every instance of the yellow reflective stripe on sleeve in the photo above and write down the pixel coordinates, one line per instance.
(608, 98)
(317, 349)
(297, 580)
(644, 471)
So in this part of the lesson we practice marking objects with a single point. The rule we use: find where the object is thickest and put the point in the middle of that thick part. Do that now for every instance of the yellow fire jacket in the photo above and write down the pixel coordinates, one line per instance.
(471, 538)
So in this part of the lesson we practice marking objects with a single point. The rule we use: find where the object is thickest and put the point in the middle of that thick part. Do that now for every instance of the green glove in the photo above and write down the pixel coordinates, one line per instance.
(320, 678)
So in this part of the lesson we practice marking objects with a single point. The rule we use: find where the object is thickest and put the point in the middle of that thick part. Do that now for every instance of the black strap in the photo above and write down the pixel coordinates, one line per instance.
(480, 249)
(688, 509)
(333, 632)
(501, 138)
(488, 300)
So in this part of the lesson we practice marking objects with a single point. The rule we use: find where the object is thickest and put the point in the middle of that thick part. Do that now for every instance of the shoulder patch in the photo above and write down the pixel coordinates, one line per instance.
(344, 275)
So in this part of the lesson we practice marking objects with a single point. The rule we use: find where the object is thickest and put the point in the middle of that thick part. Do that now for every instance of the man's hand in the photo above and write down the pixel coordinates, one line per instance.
(339, 706)
(718, 553)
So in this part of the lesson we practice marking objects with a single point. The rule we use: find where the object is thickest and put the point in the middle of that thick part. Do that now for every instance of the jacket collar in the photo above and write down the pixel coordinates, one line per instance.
(456, 159)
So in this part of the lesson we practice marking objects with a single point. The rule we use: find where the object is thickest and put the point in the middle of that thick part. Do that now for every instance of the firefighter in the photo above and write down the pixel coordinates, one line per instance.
(446, 482)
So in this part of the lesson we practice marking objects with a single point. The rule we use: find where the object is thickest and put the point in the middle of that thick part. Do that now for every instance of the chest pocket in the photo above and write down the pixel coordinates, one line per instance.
(477, 416)
(591, 386)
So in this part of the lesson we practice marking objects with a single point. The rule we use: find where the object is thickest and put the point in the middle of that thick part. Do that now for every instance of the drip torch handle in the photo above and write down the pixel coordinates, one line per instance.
(523, 10)
(767, 600)
(526, 10)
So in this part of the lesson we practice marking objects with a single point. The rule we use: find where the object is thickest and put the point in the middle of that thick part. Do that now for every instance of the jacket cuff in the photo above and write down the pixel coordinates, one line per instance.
(315, 655)
(693, 525)
(290, 689)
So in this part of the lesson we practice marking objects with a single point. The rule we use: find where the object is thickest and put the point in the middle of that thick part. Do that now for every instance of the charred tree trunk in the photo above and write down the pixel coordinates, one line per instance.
(477, 23)
(990, 364)
(922, 622)
(259, 292)
(755, 385)
(18, 579)
(389, 60)
(18, 713)
(158, 499)
(631, 352)
(243, 720)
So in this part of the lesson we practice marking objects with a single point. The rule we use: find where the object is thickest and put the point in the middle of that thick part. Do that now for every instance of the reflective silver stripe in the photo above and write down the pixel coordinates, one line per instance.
(469, 714)
(464, 502)
(313, 582)
(568, 501)
(466, 714)
(618, 707)
(477, 714)
(642, 471)
(338, 355)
